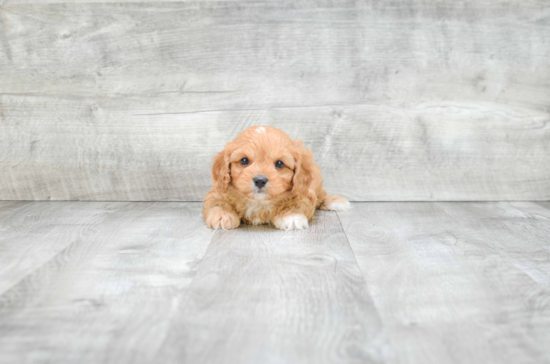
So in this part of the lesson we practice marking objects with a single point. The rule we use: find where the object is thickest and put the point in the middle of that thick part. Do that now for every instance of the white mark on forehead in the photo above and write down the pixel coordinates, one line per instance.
(260, 129)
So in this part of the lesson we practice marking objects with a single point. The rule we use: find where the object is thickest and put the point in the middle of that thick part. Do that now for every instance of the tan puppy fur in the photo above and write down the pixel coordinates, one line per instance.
(294, 186)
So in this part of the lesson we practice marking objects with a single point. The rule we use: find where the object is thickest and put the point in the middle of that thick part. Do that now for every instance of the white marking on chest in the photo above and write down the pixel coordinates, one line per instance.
(255, 207)
(260, 130)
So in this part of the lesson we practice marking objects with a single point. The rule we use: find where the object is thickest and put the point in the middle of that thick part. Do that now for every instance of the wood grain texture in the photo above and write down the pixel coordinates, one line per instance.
(107, 297)
(404, 100)
(8, 207)
(139, 283)
(268, 296)
(33, 233)
(457, 282)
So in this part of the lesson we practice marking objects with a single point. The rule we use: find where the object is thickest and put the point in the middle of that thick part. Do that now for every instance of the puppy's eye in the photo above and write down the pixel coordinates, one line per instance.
(245, 161)
(279, 164)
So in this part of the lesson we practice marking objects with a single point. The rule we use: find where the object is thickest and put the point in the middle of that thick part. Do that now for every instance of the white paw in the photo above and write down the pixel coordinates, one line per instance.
(291, 222)
(339, 206)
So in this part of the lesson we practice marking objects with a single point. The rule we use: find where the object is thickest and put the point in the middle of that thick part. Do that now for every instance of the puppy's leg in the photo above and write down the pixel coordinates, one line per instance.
(335, 203)
(294, 216)
(218, 214)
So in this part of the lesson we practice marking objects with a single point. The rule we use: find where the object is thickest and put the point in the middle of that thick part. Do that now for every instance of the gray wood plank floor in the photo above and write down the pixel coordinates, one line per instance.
(144, 282)
(458, 282)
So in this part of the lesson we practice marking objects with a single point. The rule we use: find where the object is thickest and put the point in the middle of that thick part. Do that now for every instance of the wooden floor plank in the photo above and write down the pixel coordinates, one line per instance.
(7, 207)
(518, 231)
(268, 296)
(33, 233)
(106, 297)
(135, 283)
(447, 281)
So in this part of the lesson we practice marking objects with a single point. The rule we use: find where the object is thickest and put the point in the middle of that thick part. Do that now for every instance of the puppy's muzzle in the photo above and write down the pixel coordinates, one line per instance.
(260, 181)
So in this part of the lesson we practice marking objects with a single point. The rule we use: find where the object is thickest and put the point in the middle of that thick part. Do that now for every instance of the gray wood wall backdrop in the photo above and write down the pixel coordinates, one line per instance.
(400, 100)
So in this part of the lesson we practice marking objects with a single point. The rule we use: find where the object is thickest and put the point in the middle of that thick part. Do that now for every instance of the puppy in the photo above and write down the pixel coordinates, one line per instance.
(263, 177)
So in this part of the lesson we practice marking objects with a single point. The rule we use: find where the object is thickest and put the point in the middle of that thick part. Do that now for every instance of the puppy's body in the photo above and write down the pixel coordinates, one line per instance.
(263, 177)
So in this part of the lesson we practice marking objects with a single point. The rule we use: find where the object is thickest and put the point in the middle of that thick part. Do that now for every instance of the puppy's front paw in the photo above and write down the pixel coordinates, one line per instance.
(291, 222)
(218, 218)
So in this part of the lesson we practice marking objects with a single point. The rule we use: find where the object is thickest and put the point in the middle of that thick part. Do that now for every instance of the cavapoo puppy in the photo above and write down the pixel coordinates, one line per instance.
(263, 177)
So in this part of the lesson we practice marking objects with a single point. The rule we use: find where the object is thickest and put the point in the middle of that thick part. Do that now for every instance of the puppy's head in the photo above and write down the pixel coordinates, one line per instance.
(263, 163)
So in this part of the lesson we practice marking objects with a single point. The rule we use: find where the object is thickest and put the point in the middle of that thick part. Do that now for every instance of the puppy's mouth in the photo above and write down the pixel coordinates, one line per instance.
(259, 194)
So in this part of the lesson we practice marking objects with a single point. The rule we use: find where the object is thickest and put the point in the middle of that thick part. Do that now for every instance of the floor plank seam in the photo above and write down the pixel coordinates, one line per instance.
(62, 251)
(357, 263)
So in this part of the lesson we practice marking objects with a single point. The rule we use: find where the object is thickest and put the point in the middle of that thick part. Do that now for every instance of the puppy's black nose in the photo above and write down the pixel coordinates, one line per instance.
(260, 181)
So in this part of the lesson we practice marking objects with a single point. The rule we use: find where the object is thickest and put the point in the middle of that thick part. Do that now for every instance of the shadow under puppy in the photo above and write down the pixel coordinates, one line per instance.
(263, 177)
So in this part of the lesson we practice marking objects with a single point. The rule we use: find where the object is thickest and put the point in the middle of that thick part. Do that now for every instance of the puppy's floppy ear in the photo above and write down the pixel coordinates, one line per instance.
(305, 173)
(221, 173)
